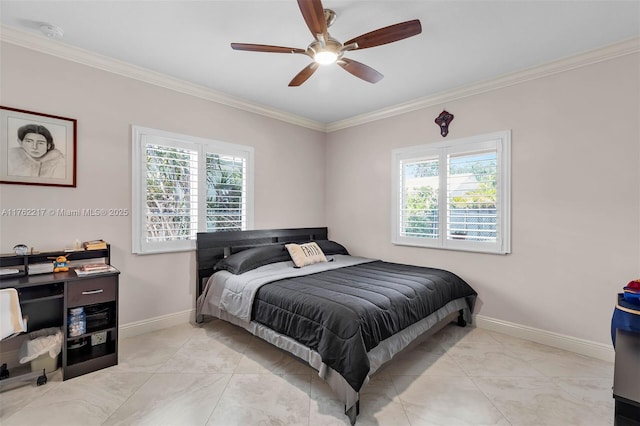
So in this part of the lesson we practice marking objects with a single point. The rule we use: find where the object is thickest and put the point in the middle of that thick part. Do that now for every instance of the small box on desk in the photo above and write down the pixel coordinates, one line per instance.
(41, 268)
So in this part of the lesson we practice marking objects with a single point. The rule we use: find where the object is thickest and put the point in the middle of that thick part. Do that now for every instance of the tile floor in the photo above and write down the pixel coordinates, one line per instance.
(218, 374)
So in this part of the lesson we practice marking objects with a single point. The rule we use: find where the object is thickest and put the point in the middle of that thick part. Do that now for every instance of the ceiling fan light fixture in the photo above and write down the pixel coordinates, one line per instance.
(325, 57)
(325, 52)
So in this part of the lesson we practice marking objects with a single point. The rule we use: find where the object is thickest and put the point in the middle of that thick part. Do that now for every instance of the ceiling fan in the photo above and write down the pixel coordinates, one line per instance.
(325, 49)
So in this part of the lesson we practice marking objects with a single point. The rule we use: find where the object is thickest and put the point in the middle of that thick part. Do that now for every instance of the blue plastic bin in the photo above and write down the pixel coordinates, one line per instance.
(626, 316)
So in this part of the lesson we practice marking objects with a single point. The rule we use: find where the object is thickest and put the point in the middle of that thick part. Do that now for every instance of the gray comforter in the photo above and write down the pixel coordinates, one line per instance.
(344, 313)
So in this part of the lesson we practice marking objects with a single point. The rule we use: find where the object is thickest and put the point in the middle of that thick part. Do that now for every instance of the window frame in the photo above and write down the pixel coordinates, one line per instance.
(140, 137)
(501, 142)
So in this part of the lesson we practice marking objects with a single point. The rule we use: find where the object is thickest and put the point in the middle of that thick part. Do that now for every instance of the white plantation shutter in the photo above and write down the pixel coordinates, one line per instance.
(419, 198)
(226, 193)
(454, 194)
(171, 193)
(183, 185)
(472, 201)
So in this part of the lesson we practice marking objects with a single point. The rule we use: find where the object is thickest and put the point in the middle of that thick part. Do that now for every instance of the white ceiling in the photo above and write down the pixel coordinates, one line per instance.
(462, 43)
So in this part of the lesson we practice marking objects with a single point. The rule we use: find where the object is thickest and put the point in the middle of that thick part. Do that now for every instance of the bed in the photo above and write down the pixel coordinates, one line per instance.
(344, 315)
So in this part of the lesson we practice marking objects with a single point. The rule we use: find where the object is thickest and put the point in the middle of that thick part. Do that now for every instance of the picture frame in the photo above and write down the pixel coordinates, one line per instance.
(37, 148)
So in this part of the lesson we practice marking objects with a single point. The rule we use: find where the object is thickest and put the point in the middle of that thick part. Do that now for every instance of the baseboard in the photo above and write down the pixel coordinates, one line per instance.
(154, 324)
(556, 340)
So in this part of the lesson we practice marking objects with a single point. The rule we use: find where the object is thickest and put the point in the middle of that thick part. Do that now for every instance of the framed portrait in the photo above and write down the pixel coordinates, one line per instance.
(36, 148)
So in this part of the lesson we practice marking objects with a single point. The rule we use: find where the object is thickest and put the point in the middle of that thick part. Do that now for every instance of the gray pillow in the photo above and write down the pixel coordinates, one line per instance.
(253, 258)
(331, 247)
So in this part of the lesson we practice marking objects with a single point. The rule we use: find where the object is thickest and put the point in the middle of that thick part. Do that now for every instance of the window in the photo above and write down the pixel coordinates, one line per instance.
(183, 185)
(454, 194)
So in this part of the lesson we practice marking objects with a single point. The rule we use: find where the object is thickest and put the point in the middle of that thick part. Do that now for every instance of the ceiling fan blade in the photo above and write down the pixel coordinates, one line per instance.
(265, 48)
(313, 14)
(360, 70)
(303, 75)
(387, 34)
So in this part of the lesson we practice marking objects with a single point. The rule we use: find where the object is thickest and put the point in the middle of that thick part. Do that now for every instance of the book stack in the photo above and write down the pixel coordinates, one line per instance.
(93, 268)
(95, 245)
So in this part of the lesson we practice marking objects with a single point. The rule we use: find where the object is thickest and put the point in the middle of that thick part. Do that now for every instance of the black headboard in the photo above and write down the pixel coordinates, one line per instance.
(213, 246)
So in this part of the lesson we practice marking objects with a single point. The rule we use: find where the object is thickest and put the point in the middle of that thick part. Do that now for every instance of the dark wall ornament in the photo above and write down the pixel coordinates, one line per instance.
(443, 121)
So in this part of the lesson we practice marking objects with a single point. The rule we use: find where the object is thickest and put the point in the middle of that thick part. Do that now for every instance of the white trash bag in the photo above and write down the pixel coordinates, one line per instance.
(39, 343)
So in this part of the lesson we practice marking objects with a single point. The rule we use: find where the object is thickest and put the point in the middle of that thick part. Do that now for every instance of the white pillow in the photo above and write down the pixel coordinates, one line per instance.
(305, 254)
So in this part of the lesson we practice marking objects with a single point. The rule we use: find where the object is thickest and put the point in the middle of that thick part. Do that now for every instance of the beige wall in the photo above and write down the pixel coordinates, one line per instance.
(106, 105)
(575, 184)
(575, 195)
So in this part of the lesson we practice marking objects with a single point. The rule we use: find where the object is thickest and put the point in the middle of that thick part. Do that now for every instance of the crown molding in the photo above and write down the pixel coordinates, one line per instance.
(592, 57)
(35, 41)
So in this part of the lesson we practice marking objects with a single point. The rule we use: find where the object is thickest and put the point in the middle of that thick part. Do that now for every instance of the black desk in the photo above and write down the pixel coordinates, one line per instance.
(46, 299)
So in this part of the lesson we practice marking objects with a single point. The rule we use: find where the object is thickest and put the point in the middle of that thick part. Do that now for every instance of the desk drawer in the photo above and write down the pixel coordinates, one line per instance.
(91, 291)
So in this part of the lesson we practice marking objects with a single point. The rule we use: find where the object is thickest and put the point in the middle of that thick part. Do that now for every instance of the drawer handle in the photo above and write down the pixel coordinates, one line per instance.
(85, 293)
